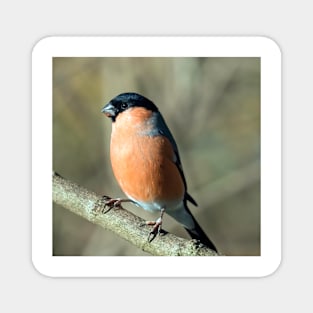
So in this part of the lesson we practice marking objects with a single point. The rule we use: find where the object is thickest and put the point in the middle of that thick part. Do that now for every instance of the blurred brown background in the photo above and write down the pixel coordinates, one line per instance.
(212, 107)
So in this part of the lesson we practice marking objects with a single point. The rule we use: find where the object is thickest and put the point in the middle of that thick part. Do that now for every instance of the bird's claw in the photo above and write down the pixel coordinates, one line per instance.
(106, 201)
(151, 236)
(156, 230)
(157, 227)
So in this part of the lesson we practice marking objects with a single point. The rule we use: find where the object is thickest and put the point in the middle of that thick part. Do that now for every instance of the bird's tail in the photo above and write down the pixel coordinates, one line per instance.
(199, 234)
(184, 216)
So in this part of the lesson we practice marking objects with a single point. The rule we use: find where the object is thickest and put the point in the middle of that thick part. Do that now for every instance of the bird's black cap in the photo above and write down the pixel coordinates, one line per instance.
(125, 101)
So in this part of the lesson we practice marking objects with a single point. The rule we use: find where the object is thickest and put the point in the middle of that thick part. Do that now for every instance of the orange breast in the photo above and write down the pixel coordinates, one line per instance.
(143, 165)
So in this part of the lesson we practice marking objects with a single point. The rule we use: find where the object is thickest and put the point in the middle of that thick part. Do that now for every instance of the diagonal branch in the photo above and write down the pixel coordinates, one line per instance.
(122, 222)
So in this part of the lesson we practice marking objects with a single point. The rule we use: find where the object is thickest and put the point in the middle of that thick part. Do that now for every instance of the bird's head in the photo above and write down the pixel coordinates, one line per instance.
(126, 101)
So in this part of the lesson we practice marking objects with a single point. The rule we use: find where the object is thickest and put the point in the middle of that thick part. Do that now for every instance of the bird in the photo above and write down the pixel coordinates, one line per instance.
(147, 165)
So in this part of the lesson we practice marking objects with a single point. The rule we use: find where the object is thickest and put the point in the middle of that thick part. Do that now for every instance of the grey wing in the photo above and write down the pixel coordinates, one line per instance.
(164, 131)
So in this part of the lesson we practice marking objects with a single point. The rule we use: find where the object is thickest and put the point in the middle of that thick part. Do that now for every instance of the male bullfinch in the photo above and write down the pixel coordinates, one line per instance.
(146, 162)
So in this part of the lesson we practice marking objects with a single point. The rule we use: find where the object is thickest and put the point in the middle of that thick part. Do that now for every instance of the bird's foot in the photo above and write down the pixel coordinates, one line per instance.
(110, 203)
(157, 227)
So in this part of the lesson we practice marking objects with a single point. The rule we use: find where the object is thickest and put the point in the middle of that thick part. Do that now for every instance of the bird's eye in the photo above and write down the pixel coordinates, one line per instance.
(123, 105)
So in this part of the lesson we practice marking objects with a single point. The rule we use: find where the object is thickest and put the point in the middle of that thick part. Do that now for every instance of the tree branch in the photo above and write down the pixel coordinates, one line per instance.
(122, 222)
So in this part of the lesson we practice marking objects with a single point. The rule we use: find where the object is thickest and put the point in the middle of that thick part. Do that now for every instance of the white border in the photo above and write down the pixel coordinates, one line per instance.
(228, 266)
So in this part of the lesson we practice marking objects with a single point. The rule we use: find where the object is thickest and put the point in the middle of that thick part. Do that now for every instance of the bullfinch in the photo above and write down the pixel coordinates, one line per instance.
(146, 162)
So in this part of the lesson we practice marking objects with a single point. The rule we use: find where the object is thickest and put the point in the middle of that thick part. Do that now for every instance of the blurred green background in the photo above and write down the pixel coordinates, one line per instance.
(212, 107)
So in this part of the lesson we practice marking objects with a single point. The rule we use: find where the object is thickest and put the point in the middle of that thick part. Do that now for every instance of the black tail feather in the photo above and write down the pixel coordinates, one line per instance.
(202, 237)
(199, 234)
